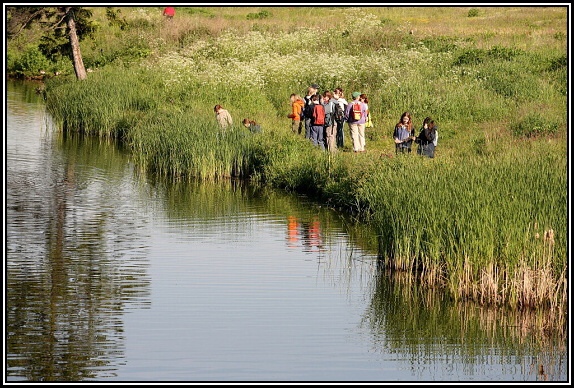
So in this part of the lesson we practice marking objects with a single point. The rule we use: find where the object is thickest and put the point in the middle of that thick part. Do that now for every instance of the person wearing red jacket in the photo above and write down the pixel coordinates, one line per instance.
(169, 12)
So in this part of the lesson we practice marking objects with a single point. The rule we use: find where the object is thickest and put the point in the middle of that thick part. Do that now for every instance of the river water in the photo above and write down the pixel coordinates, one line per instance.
(116, 276)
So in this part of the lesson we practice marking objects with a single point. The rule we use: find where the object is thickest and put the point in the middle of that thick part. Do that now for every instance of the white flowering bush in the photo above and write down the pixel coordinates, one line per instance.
(260, 59)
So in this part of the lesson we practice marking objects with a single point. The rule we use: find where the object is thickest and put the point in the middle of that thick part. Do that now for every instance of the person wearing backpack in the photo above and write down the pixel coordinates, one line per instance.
(297, 114)
(339, 115)
(330, 128)
(308, 110)
(317, 122)
(356, 116)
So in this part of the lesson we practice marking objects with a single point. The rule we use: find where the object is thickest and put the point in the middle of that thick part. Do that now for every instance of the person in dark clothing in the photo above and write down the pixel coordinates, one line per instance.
(312, 90)
(426, 138)
(251, 125)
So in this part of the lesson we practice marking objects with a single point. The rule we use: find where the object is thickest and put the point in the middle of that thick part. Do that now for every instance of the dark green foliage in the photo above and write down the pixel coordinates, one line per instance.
(194, 11)
(260, 15)
(114, 18)
(534, 125)
(473, 12)
(560, 36)
(470, 57)
(558, 63)
(30, 63)
(477, 56)
(440, 44)
(504, 53)
(385, 21)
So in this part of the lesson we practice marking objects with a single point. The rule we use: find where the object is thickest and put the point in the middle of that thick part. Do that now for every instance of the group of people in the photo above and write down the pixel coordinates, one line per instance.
(404, 136)
(323, 117)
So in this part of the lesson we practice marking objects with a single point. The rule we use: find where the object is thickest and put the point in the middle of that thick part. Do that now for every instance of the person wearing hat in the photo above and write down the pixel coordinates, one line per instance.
(356, 116)
(312, 90)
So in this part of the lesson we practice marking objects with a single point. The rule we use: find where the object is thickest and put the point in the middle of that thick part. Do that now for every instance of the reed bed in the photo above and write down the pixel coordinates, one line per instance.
(486, 218)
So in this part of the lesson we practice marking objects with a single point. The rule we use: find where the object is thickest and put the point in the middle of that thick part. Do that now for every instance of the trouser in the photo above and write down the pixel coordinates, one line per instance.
(358, 136)
(296, 126)
(331, 136)
(426, 150)
(340, 134)
(400, 149)
(307, 128)
(317, 136)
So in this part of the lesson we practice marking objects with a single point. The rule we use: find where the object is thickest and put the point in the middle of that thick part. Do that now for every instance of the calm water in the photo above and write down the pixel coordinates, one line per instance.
(114, 276)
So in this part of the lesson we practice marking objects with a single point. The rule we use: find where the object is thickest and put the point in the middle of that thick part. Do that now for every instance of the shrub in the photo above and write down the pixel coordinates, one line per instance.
(30, 63)
(260, 15)
(470, 57)
(473, 12)
(505, 53)
(534, 125)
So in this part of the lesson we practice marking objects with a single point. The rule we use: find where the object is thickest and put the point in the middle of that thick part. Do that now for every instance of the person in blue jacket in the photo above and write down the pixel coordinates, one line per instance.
(404, 134)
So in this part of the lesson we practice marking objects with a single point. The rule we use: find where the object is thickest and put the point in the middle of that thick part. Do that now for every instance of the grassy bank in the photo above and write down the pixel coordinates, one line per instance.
(486, 218)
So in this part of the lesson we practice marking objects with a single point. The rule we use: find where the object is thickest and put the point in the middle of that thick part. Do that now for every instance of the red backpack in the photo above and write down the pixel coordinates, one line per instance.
(356, 111)
(319, 115)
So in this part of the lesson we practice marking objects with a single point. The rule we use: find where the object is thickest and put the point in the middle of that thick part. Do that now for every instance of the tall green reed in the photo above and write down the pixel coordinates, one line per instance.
(467, 219)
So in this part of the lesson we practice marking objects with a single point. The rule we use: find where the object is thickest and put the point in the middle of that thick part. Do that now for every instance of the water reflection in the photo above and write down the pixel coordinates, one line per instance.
(475, 341)
(73, 265)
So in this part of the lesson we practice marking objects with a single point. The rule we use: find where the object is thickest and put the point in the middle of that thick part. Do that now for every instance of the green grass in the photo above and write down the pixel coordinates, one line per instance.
(486, 218)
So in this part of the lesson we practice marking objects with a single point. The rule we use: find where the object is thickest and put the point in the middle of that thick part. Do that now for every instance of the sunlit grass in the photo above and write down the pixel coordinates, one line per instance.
(477, 219)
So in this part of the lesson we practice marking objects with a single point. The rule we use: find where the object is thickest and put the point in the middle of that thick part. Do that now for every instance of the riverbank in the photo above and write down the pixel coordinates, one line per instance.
(485, 219)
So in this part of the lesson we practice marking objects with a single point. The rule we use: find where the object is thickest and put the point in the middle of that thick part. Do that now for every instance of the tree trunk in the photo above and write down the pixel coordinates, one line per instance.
(75, 43)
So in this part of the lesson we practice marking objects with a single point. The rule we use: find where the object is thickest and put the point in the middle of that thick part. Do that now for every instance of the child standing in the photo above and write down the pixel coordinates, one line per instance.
(404, 134)
(296, 115)
(317, 122)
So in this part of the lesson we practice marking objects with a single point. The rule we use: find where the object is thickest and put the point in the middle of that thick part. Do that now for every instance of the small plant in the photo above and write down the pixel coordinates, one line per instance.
(440, 44)
(471, 57)
(473, 12)
(260, 15)
(560, 36)
(534, 125)
(558, 63)
(504, 53)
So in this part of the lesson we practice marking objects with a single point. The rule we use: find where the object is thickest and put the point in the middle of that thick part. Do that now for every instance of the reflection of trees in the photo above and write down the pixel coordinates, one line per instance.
(73, 263)
(422, 324)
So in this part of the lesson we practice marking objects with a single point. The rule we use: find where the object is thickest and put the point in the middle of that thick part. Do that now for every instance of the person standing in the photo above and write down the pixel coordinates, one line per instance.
(296, 115)
(317, 123)
(426, 138)
(308, 110)
(356, 116)
(169, 12)
(223, 117)
(339, 99)
(330, 125)
(363, 97)
(404, 134)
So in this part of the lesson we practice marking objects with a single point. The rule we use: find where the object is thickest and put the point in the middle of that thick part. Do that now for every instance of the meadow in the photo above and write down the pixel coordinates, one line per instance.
(485, 220)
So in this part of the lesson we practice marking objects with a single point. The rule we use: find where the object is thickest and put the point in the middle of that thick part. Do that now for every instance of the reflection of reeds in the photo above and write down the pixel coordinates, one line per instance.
(406, 316)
